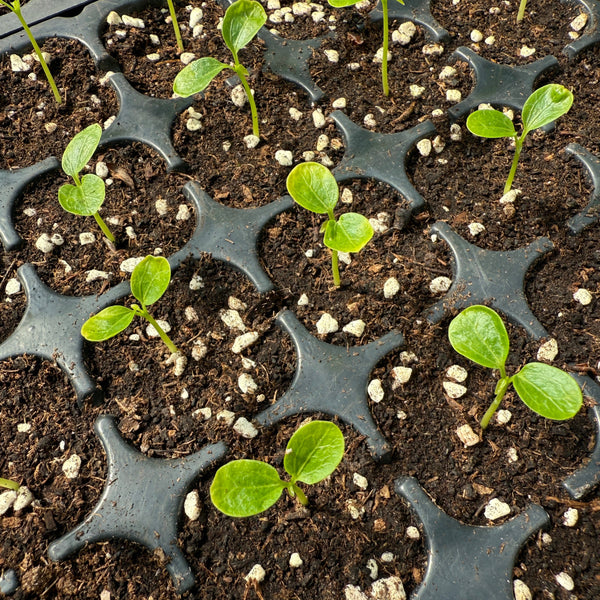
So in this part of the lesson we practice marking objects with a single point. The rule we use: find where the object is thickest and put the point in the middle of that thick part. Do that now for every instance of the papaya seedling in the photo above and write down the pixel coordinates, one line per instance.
(543, 106)
(479, 334)
(149, 281)
(9, 484)
(87, 195)
(15, 7)
(384, 61)
(242, 21)
(243, 488)
(314, 187)
(521, 12)
(175, 25)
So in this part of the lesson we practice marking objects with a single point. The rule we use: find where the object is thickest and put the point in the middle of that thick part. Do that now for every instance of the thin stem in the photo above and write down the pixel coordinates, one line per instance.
(104, 227)
(8, 483)
(300, 494)
(335, 267)
(384, 58)
(500, 391)
(40, 56)
(175, 25)
(521, 12)
(515, 162)
(163, 336)
(239, 70)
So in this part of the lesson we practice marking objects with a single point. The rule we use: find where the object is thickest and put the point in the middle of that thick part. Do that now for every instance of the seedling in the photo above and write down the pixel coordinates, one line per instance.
(8, 483)
(242, 21)
(15, 7)
(175, 25)
(149, 281)
(314, 187)
(521, 13)
(478, 333)
(87, 195)
(384, 9)
(543, 106)
(243, 488)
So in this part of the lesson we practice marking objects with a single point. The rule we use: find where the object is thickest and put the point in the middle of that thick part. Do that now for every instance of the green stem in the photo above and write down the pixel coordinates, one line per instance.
(239, 70)
(7, 483)
(515, 162)
(500, 391)
(335, 267)
(104, 227)
(175, 25)
(163, 336)
(521, 12)
(384, 58)
(40, 56)
(300, 494)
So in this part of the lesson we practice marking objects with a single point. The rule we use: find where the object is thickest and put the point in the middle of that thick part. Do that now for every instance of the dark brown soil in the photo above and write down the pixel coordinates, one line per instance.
(164, 415)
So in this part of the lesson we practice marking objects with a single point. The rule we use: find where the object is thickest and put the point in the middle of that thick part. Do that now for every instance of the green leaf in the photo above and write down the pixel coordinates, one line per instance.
(107, 323)
(490, 123)
(85, 199)
(479, 334)
(545, 105)
(150, 279)
(242, 21)
(314, 451)
(242, 488)
(197, 75)
(313, 187)
(80, 149)
(351, 233)
(548, 391)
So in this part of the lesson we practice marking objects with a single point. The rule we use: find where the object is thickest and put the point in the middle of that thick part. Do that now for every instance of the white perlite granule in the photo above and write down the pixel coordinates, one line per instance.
(548, 350)
(326, 324)
(456, 373)
(467, 436)
(391, 287)
(360, 481)
(521, 591)
(191, 505)
(582, 296)
(295, 560)
(454, 390)
(566, 581)
(401, 375)
(244, 428)
(496, 509)
(71, 466)
(375, 390)
(247, 384)
(256, 574)
(570, 517)
(439, 285)
(13, 286)
(244, 341)
(355, 328)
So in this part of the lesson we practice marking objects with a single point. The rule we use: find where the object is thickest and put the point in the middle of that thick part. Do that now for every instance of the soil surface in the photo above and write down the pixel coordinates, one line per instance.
(352, 532)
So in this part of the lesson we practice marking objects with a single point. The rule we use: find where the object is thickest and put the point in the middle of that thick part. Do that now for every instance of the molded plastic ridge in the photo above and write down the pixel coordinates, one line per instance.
(496, 84)
(590, 214)
(381, 156)
(229, 234)
(490, 277)
(141, 501)
(12, 183)
(586, 478)
(469, 562)
(332, 379)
